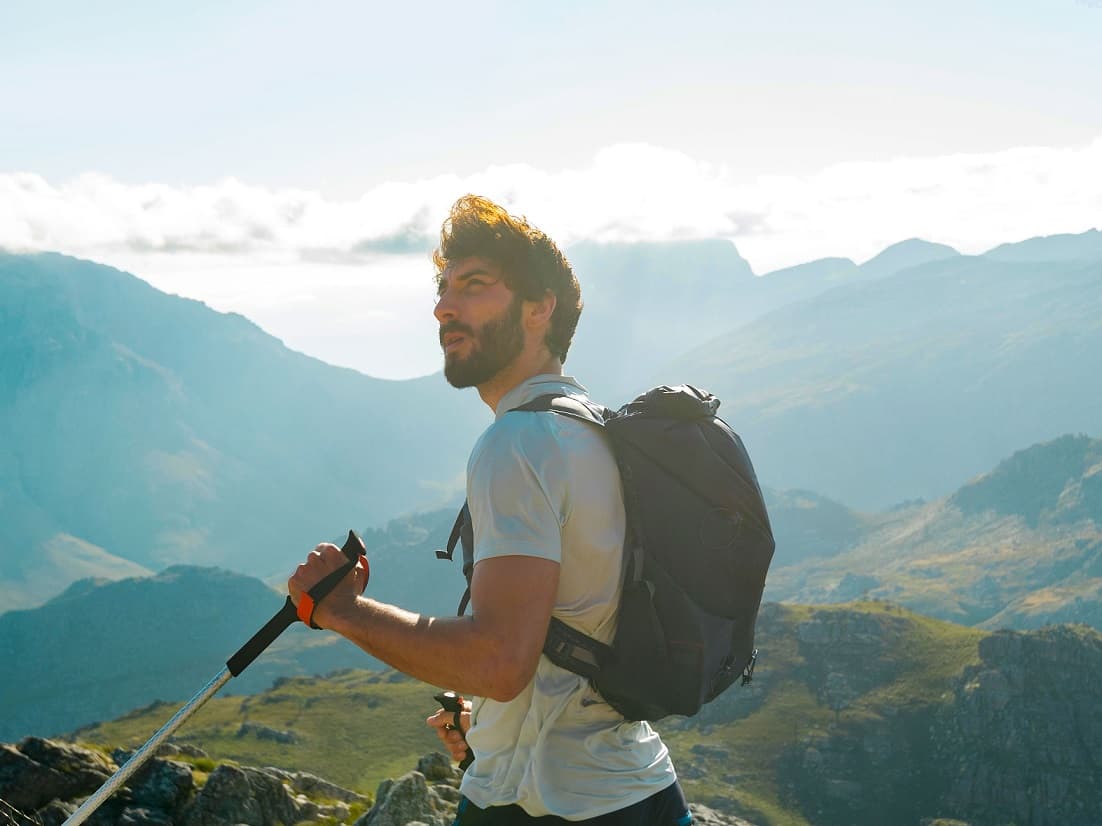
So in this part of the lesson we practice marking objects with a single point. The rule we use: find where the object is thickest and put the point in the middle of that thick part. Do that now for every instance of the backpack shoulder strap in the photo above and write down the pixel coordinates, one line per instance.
(568, 406)
(463, 535)
(565, 646)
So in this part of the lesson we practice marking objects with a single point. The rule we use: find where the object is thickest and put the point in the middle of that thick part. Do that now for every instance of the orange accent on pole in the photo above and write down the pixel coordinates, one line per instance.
(305, 607)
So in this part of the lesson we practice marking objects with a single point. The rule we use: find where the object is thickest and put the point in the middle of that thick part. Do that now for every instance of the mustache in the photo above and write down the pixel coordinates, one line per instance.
(454, 327)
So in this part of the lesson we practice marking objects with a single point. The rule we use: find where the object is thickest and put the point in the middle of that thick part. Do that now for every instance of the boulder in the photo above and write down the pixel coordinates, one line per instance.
(38, 771)
(242, 795)
(405, 800)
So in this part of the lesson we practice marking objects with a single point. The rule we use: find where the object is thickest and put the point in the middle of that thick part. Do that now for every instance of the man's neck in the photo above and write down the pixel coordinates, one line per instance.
(519, 371)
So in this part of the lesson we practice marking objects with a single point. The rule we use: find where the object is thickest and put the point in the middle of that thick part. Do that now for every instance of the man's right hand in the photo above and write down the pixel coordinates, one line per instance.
(443, 722)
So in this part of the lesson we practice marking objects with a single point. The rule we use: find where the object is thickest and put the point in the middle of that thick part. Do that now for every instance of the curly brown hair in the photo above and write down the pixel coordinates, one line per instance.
(530, 261)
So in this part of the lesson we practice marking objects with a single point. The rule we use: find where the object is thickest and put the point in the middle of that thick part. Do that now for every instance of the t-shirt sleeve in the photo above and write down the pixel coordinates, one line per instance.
(516, 491)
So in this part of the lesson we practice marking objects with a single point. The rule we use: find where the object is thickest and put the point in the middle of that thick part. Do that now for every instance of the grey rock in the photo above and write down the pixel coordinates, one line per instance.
(314, 786)
(162, 784)
(266, 733)
(38, 771)
(436, 767)
(173, 749)
(407, 799)
(447, 793)
(241, 795)
(56, 812)
(142, 816)
(705, 816)
(690, 771)
(714, 752)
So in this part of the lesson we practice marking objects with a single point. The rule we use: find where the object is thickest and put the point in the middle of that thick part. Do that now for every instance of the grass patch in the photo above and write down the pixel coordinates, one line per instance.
(354, 729)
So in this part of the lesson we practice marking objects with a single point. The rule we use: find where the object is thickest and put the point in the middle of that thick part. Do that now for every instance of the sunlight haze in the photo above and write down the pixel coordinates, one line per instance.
(293, 164)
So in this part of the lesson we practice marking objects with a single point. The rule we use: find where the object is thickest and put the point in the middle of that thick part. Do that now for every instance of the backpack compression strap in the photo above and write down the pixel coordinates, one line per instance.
(568, 647)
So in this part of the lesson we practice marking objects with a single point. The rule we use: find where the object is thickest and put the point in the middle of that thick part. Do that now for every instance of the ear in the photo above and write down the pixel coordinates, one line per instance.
(538, 313)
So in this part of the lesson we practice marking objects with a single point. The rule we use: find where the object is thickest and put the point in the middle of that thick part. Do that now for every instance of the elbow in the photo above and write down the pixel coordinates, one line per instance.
(509, 676)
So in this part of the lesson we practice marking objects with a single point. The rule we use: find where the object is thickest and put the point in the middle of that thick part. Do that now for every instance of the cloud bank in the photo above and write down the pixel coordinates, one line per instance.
(628, 192)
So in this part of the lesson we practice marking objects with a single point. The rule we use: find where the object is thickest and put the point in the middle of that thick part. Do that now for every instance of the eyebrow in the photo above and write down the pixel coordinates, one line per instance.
(469, 274)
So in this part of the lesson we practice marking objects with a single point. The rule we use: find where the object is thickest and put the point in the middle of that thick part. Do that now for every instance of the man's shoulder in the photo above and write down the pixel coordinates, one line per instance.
(536, 436)
(518, 431)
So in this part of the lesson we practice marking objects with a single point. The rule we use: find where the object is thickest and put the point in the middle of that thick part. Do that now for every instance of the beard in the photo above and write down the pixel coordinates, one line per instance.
(493, 348)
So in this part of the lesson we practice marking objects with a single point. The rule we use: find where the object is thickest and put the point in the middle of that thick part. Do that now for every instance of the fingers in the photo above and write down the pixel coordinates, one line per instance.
(440, 720)
(453, 741)
(359, 576)
(319, 563)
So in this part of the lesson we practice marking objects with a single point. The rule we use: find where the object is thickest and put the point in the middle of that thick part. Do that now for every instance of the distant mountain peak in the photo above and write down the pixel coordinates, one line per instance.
(823, 268)
(1085, 246)
(904, 254)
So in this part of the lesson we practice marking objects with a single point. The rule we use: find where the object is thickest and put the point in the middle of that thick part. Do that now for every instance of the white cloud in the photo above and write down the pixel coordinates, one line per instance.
(628, 192)
(281, 256)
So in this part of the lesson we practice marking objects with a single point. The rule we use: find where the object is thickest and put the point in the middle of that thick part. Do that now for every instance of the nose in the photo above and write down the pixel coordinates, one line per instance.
(444, 309)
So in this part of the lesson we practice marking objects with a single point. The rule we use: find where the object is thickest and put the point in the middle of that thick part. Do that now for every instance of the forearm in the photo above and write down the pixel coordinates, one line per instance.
(453, 652)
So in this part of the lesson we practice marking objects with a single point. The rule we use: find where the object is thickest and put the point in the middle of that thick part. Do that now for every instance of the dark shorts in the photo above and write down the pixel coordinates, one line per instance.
(666, 808)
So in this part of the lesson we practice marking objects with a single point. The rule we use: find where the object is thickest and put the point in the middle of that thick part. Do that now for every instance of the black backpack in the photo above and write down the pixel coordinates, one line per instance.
(697, 549)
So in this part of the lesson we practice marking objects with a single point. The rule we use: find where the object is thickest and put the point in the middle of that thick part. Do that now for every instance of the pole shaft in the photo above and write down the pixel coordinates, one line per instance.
(138, 759)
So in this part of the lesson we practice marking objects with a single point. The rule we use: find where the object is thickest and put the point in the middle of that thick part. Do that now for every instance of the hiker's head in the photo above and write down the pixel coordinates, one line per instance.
(482, 323)
(523, 257)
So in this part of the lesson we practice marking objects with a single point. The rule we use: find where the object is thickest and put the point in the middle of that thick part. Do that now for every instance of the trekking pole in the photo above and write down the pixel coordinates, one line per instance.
(287, 615)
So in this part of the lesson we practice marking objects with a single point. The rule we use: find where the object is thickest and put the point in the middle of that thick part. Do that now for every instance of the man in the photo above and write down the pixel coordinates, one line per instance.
(547, 509)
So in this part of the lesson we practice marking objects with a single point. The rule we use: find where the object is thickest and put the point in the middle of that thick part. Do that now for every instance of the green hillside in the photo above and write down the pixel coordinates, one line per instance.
(358, 727)
(858, 715)
(847, 721)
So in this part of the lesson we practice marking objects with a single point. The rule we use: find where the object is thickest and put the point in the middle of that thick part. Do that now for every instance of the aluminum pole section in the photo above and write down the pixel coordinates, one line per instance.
(287, 615)
(138, 758)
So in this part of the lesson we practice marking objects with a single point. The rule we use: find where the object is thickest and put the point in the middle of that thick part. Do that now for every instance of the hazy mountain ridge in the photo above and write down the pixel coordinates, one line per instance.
(896, 388)
(159, 431)
(1085, 246)
(142, 429)
(1059, 482)
(100, 649)
(646, 303)
(1019, 547)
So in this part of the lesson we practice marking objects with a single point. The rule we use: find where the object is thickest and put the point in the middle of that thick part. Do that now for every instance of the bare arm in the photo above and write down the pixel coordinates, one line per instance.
(491, 653)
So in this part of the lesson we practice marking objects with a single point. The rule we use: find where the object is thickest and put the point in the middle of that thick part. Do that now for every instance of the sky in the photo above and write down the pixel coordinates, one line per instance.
(293, 161)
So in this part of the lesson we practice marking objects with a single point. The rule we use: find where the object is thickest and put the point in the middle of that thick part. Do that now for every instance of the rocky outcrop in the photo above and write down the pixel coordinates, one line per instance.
(1014, 739)
(1022, 742)
(411, 799)
(48, 780)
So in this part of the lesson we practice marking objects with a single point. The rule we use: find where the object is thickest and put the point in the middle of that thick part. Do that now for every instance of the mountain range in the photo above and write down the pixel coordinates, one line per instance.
(1019, 547)
(140, 430)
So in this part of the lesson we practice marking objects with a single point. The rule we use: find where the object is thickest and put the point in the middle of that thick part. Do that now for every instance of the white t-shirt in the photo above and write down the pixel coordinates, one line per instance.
(545, 485)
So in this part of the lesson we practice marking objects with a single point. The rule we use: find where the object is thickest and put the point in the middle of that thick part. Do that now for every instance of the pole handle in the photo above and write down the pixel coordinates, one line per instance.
(450, 701)
(287, 615)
